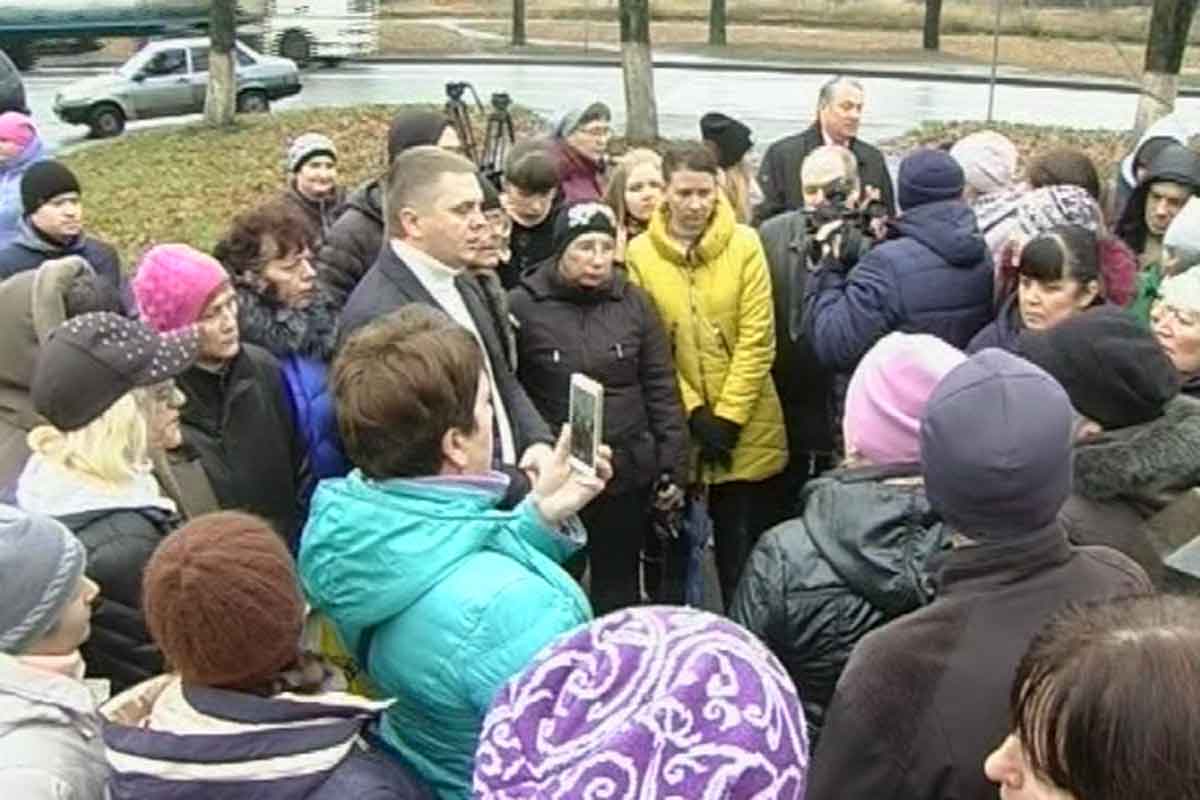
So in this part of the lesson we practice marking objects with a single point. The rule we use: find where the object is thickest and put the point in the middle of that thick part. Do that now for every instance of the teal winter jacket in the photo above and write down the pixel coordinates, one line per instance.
(443, 597)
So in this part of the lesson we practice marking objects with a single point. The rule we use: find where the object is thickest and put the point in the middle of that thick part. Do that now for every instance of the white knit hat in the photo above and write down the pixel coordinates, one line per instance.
(1182, 291)
(988, 159)
(1183, 234)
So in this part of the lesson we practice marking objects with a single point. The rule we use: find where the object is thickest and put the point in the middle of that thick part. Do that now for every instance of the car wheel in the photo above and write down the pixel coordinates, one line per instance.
(106, 120)
(253, 103)
(296, 46)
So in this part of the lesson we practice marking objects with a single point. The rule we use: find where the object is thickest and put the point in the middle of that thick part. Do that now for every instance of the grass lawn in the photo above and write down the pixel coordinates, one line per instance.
(186, 184)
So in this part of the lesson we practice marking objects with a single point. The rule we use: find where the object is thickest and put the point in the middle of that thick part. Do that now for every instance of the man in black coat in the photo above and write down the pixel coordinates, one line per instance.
(839, 111)
(437, 230)
(1171, 180)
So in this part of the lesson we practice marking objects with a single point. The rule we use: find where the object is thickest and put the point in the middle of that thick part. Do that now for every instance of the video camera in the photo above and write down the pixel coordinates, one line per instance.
(854, 235)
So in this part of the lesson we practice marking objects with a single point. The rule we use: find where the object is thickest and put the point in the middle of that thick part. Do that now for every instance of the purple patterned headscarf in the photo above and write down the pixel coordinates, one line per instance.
(662, 702)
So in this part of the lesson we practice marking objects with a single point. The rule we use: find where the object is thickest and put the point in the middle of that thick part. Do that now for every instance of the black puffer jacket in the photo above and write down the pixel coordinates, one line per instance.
(119, 543)
(861, 554)
(353, 243)
(240, 422)
(614, 336)
(319, 214)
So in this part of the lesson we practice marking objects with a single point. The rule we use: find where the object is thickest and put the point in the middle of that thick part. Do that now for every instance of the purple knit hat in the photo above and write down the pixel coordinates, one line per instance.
(888, 392)
(174, 283)
(654, 701)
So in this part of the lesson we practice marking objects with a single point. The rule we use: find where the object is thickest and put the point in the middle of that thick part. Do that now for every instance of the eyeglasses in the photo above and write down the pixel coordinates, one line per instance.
(597, 131)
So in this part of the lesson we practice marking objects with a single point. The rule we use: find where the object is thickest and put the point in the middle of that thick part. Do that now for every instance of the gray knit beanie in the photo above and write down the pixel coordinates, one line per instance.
(41, 563)
(309, 145)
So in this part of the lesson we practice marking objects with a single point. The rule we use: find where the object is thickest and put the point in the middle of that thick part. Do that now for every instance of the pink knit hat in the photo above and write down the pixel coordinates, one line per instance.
(173, 284)
(17, 128)
(888, 392)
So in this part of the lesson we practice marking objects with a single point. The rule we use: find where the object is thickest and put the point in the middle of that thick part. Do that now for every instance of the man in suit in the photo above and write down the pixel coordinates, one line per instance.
(839, 112)
(436, 229)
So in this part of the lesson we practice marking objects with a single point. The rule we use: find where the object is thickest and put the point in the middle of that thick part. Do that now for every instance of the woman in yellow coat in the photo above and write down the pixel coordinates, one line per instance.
(708, 278)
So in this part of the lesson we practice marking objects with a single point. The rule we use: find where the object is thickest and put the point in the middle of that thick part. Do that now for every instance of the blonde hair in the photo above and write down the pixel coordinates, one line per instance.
(113, 448)
(735, 182)
(615, 195)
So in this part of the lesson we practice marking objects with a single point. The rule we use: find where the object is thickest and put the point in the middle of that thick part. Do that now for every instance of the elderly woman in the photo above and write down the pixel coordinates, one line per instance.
(1175, 319)
(1084, 725)
(48, 721)
(861, 551)
(441, 594)
(1137, 447)
(283, 309)
(1058, 277)
(581, 148)
(106, 386)
(238, 416)
(240, 697)
(635, 189)
(576, 313)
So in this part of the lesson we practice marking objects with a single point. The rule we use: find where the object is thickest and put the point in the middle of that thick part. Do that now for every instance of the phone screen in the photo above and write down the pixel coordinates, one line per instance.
(583, 425)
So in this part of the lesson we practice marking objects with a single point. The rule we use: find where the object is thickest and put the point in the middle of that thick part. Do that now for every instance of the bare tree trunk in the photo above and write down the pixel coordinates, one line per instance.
(518, 23)
(637, 69)
(220, 99)
(931, 39)
(1170, 22)
(716, 23)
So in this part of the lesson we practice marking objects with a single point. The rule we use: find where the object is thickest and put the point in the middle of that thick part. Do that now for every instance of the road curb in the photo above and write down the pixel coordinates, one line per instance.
(880, 71)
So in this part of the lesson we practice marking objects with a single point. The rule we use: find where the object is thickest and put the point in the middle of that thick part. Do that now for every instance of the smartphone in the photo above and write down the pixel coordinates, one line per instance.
(587, 422)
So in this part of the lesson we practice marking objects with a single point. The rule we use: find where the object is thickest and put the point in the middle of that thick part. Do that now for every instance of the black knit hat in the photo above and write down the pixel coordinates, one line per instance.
(43, 182)
(1111, 367)
(413, 128)
(585, 216)
(93, 360)
(730, 137)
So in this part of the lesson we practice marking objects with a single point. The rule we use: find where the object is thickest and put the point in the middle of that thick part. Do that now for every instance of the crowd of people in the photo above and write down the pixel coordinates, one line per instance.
(298, 518)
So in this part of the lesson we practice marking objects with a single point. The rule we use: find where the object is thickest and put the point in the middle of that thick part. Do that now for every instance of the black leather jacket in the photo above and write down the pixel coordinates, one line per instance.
(861, 554)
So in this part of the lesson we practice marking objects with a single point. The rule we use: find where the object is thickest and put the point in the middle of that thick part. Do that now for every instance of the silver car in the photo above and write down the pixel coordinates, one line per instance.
(167, 78)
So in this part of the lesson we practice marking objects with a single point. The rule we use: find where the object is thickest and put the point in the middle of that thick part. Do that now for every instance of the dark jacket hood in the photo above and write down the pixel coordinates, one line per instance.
(860, 518)
(30, 239)
(368, 199)
(1177, 164)
(948, 228)
(1148, 464)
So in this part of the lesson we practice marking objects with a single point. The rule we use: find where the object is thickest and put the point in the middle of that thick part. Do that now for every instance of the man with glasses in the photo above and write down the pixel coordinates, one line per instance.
(581, 146)
(839, 113)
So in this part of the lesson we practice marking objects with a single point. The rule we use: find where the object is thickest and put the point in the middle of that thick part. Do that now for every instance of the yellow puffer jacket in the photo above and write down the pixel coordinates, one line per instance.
(715, 303)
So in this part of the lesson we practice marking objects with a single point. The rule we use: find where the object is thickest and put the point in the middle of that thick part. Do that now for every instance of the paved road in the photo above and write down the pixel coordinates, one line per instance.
(773, 104)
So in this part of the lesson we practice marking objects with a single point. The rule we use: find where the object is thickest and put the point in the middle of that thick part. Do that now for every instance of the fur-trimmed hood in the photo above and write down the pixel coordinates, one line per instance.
(1147, 464)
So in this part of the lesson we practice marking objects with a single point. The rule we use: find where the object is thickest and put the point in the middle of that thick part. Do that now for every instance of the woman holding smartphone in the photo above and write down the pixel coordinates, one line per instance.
(576, 313)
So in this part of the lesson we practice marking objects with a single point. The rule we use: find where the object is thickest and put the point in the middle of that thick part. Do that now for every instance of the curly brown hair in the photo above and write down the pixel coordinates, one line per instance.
(244, 249)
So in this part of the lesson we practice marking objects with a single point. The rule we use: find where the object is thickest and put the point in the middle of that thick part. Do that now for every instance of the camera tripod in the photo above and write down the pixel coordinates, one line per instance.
(499, 134)
(459, 115)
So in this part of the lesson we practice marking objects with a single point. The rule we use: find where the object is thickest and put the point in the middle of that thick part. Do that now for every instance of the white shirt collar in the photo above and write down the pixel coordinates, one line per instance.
(430, 267)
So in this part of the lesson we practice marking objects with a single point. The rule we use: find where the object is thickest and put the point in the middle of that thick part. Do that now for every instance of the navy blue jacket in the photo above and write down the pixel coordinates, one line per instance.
(30, 249)
(1001, 332)
(933, 275)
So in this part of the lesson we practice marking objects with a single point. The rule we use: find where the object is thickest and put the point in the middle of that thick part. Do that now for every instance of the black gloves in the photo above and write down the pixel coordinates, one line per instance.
(717, 436)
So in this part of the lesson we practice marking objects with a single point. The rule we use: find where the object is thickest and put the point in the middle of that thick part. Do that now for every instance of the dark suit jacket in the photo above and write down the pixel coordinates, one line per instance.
(390, 284)
(779, 175)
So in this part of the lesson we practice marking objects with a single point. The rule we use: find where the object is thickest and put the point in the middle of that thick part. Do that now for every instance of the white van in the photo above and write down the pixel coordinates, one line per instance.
(321, 30)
